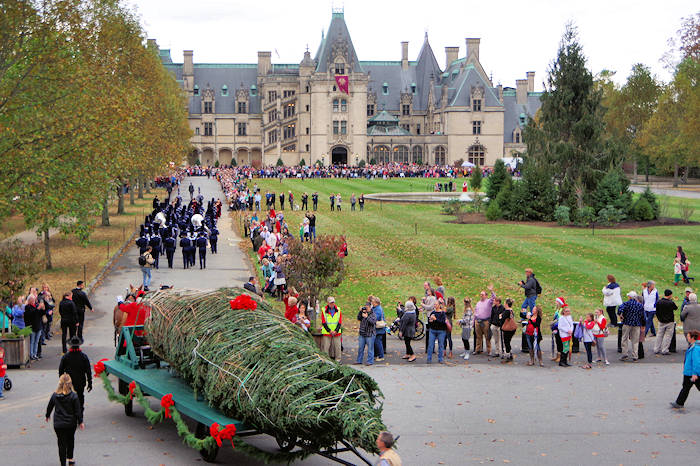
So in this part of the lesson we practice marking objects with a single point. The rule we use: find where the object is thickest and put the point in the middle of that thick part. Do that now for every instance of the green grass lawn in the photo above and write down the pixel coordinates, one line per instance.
(395, 247)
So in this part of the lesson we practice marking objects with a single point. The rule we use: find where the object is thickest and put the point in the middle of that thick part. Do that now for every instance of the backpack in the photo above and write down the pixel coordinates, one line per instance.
(142, 260)
(538, 287)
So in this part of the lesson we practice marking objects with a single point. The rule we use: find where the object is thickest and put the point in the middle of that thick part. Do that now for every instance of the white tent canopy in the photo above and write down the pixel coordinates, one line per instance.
(468, 164)
(512, 162)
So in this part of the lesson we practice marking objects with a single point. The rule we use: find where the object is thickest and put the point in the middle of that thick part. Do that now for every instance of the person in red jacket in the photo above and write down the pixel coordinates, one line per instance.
(3, 369)
(290, 305)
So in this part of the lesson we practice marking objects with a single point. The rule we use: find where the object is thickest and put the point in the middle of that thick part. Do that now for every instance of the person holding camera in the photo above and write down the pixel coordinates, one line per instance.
(368, 320)
(532, 288)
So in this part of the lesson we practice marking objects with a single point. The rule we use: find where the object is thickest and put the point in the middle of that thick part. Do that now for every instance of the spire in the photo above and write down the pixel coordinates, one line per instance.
(337, 43)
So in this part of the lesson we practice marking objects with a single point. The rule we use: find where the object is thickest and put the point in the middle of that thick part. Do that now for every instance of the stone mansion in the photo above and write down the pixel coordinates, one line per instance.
(335, 108)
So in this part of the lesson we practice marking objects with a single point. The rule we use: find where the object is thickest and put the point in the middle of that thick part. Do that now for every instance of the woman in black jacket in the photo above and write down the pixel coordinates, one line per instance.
(66, 418)
(32, 318)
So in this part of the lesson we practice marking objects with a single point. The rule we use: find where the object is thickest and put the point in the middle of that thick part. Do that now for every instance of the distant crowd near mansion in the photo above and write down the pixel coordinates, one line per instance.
(334, 108)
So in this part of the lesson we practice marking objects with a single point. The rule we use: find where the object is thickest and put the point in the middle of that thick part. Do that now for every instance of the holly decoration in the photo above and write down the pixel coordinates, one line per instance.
(243, 302)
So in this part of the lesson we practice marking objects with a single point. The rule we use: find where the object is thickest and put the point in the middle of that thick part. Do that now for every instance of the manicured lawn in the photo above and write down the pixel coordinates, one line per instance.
(395, 247)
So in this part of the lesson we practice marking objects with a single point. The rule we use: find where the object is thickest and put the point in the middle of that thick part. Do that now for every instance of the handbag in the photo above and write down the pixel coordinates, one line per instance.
(509, 324)
(44, 320)
(578, 333)
(380, 324)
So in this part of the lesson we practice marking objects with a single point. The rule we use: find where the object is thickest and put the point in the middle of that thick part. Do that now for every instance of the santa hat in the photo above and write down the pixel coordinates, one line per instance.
(561, 302)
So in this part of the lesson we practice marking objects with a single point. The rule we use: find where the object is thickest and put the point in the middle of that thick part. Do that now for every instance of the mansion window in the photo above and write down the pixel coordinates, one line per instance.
(272, 116)
(286, 94)
(385, 88)
(289, 110)
(401, 154)
(476, 154)
(307, 108)
(271, 96)
(381, 154)
(413, 88)
(417, 155)
(440, 155)
(418, 128)
(208, 129)
(343, 105)
(289, 131)
(370, 110)
(336, 105)
(405, 109)
(476, 127)
(307, 148)
(406, 126)
(196, 90)
(517, 138)
(290, 148)
(307, 130)
(340, 127)
(242, 129)
(208, 106)
(272, 137)
(340, 68)
(196, 131)
(224, 91)
(476, 105)
(242, 107)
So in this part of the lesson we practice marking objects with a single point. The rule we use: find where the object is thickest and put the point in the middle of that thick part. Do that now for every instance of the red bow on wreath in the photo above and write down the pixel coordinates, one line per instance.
(166, 402)
(226, 433)
(100, 367)
(132, 387)
(244, 302)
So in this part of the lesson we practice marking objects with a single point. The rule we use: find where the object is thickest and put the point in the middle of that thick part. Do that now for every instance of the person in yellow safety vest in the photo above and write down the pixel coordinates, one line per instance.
(331, 329)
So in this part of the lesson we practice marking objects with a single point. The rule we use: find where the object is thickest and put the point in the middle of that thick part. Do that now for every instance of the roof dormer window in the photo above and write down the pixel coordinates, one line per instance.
(413, 88)
(224, 91)
(385, 88)
(196, 90)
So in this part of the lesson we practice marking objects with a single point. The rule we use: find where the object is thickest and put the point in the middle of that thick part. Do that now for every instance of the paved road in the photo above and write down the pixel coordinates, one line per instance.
(691, 194)
(466, 413)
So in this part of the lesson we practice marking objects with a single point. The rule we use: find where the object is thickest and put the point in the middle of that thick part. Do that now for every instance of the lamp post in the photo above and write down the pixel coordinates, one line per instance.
(357, 160)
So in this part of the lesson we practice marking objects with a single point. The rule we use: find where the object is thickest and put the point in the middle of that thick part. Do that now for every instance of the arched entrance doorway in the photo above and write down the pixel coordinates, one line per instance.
(339, 156)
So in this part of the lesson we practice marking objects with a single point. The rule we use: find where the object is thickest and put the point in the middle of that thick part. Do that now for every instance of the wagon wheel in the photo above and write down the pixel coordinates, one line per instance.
(8, 384)
(285, 443)
(124, 390)
(208, 455)
(420, 330)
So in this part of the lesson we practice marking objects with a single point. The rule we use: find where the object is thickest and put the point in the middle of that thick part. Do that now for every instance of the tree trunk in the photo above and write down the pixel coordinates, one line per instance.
(105, 211)
(147, 180)
(132, 184)
(648, 162)
(675, 175)
(634, 170)
(140, 196)
(47, 249)
(684, 178)
(120, 197)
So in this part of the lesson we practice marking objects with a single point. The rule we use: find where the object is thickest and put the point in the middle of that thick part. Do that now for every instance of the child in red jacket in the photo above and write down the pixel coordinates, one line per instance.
(3, 369)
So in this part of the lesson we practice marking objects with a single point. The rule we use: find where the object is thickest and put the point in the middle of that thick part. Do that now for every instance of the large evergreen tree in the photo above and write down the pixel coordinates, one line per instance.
(497, 179)
(567, 133)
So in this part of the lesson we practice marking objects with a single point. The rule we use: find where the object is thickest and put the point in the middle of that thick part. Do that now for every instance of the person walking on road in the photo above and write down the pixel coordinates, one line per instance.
(387, 456)
(81, 301)
(691, 369)
(380, 338)
(69, 319)
(331, 330)
(146, 262)
(67, 417)
(612, 299)
(76, 364)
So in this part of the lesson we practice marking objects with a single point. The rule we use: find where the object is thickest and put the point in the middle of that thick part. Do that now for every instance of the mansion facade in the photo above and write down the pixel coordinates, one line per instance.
(334, 108)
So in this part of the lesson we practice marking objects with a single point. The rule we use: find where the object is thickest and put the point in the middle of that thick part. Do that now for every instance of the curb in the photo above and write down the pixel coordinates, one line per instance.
(93, 285)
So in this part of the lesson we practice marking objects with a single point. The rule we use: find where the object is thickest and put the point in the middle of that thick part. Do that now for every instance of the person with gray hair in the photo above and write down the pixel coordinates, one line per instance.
(690, 316)
(387, 456)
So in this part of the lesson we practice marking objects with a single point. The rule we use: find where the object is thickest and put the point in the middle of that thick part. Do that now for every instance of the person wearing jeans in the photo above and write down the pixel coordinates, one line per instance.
(664, 312)
(691, 369)
(32, 317)
(529, 285)
(368, 320)
(438, 331)
(650, 296)
(380, 338)
(146, 268)
(599, 334)
(482, 314)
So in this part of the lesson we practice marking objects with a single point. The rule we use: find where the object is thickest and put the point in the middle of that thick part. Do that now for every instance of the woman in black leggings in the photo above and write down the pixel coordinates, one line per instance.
(66, 418)
(507, 334)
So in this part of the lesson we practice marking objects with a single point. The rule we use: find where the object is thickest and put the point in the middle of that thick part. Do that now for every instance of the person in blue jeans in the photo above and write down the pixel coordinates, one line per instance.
(437, 320)
(368, 320)
(650, 296)
(529, 285)
(380, 339)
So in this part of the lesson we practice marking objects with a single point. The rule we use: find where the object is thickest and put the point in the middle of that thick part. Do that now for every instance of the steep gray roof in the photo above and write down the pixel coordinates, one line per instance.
(513, 111)
(427, 71)
(337, 31)
(461, 82)
(396, 79)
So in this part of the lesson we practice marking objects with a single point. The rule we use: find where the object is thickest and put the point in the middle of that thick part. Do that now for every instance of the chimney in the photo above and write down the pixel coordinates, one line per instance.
(451, 54)
(473, 47)
(521, 91)
(188, 67)
(530, 81)
(500, 93)
(404, 55)
(264, 62)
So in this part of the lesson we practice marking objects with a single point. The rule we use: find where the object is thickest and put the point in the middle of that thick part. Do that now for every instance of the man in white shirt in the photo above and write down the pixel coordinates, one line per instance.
(651, 296)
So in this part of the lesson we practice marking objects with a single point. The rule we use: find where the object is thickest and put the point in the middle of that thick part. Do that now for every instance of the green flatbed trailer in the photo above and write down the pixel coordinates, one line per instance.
(133, 361)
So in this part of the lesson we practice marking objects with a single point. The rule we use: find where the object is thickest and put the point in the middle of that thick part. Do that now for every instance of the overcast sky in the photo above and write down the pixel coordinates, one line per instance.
(516, 36)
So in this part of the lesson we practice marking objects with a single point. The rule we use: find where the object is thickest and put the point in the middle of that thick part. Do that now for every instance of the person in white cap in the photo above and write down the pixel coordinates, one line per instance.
(631, 314)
